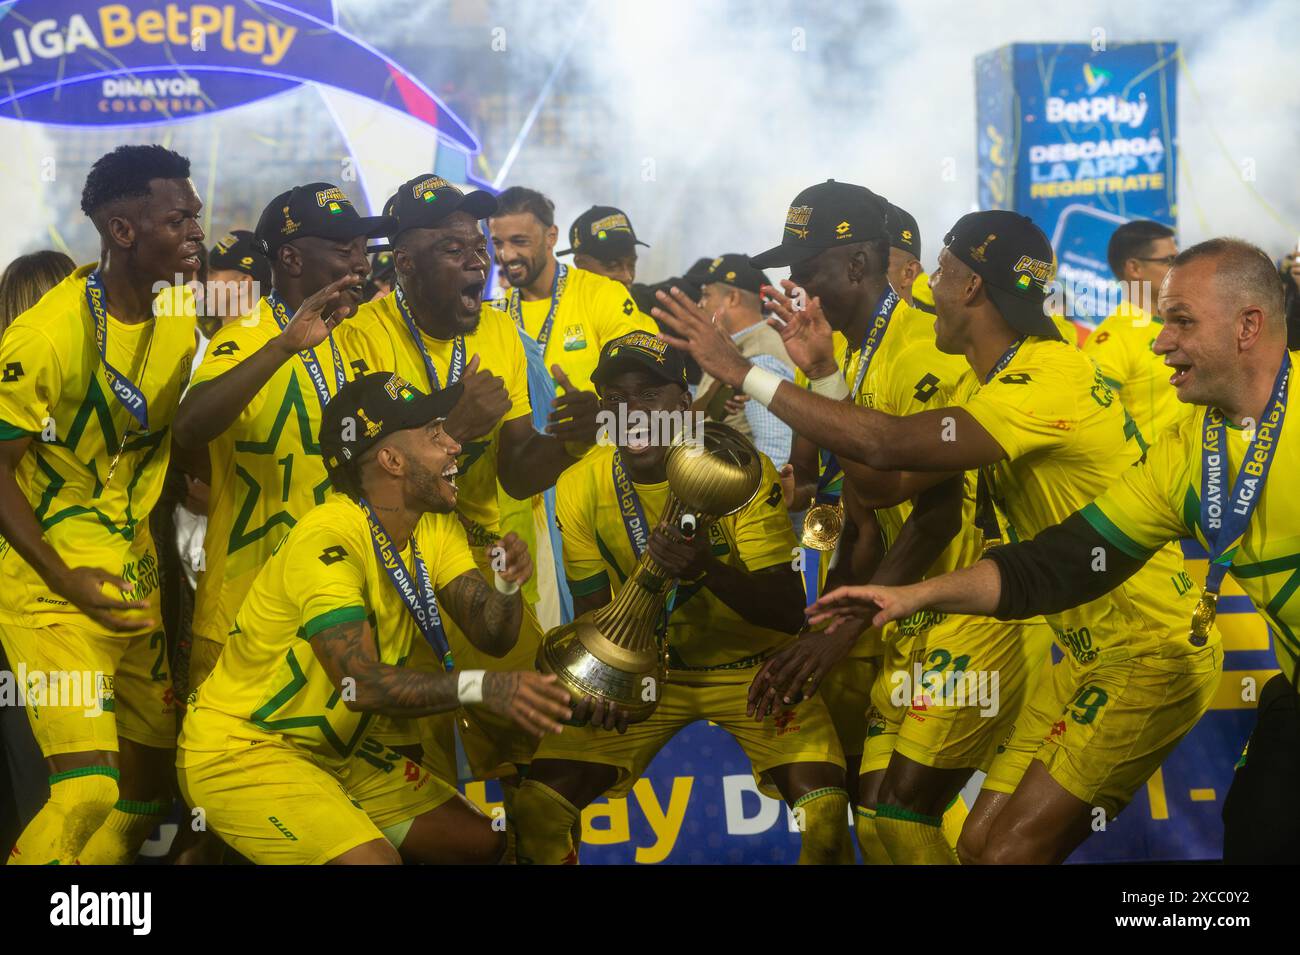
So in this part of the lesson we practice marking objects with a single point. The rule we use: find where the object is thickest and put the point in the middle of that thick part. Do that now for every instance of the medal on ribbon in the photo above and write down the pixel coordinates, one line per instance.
(454, 367)
(516, 308)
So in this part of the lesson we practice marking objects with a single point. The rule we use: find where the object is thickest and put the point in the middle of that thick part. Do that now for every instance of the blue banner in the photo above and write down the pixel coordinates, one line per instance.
(1080, 140)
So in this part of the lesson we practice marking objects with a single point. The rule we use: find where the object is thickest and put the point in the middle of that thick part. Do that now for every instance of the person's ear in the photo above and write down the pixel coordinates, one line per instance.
(973, 290)
(121, 231)
(684, 402)
(552, 234)
(1132, 270)
(1250, 327)
(390, 458)
(290, 259)
(858, 266)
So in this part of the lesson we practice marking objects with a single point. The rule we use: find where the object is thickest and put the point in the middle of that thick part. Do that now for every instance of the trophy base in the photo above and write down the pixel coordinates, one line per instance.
(587, 664)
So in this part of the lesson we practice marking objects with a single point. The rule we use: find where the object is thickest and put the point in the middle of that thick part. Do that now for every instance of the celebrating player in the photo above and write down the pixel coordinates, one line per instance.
(274, 749)
(1052, 436)
(1216, 476)
(91, 379)
(737, 600)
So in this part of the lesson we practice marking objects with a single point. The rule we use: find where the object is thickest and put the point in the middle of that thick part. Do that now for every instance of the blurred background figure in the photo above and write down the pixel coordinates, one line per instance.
(383, 276)
(1290, 272)
(602, 240)
(27, 278)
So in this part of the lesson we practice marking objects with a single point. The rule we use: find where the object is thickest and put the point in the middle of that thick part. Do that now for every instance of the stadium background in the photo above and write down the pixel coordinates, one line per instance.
(614, 103)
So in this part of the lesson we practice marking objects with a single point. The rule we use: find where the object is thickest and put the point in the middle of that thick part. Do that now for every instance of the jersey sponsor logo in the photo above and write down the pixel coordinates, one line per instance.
(785, 722)
(774, 496)
(926, 388)
(12, 371)
(284, 830)
(1102, 336)
(359, 367)
(1015, 378)
(628, 307)
(1078, 642)
(224, 349)
(332, 555)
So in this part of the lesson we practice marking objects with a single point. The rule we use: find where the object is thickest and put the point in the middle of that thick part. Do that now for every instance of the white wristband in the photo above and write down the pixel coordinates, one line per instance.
(469, 686)
(761, 384)
(504, 586)
(833, 386)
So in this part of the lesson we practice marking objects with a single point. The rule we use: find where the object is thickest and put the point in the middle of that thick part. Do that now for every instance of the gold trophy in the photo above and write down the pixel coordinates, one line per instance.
(822, 526)
(613, 653)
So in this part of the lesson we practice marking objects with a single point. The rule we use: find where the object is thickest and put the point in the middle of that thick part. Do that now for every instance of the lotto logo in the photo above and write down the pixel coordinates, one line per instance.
(13, 371)
(225, 348)
(926, 388)
(628, 307)
(332, 555)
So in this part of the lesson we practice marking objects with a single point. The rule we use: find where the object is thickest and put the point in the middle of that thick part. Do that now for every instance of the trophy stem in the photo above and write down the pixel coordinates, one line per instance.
(629, 620)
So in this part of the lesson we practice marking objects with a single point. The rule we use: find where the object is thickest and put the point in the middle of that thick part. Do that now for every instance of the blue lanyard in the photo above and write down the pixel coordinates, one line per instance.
(454, 367)
(1005, 360)
(131, 397)
(557, 292)
(873, 336)
(308, 355)
(422, 603)
(635, 523)
(1224, 528)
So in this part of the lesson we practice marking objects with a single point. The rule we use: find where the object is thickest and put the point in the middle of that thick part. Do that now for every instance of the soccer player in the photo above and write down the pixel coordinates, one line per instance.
(256, 400)
(434, 329)
(602, 241)
(1140, 254)
(91, 377)
(1051, 435)
(238, 272)
(1216, 476)
(738, 598)
(925, 734)
(571, 313)
(274, 749)
(906, 273)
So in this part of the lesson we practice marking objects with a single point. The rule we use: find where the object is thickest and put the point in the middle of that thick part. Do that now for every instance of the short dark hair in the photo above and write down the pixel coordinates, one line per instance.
(346, 479)
(1245, 271)
(126, 172)
(1133, 240)
(518, 199)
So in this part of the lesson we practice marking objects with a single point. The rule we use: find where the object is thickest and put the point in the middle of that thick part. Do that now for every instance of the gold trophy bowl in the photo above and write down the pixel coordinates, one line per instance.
(613, 653)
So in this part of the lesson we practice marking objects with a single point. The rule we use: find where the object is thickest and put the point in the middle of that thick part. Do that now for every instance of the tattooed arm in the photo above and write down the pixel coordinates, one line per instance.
(489, 618)
(365, 684)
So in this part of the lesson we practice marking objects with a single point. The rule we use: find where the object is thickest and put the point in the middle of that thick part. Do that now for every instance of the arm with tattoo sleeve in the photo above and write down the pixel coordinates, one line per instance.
(488, 617)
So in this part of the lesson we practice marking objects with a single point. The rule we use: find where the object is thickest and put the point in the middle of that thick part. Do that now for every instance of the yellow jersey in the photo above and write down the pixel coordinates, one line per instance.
(1122, 348)
(1160, 501)
(267, 471)
(380, 340)
(592, 310)
(53, 388)
(1068, 439)
(268, 684)
(703, 632)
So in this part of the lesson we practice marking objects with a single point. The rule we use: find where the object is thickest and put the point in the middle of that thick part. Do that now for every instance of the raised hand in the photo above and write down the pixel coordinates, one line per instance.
(510, 559)
(482, 404)
(573, 412)
(308, 327)
(805, 331)
(698, 334)
(535, 702)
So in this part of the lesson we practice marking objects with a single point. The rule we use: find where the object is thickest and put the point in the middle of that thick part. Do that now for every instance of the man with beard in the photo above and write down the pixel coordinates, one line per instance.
(570, 313)
(91, 379)
(601, 240)
(275, 746)
(1038, 417)
(737, 599)
(256, 400)
(434, 330)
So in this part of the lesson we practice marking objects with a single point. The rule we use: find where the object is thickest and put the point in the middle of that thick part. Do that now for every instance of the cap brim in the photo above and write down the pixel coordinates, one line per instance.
(479, 204)
(1024, 316)
(437, 404)
(622, 247)
(783, 255)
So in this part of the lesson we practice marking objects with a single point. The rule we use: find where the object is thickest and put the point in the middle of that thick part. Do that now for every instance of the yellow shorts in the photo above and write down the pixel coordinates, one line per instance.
(885, 713)
(847, 692)
(1103, 728)
(277, 806)
(798, 734)
(203, 657)
(83, 689)
(957, 721)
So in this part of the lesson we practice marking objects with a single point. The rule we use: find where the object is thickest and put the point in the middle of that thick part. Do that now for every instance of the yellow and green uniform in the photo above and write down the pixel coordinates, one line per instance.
(268, 748)
(379, 340)
(54, 389)
(1130, 684)
(920, 721)
(1122, 347)
(267, 473)
(592, 310)
(1160, 501)
(713, 652)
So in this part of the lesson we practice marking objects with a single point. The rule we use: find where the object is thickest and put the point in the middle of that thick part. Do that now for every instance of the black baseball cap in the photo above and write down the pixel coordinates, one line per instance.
(903, 231)
(823, 216)
(734, 269)
(423, 202)
(317, 210)
(371, 407)
(602, 232)
(238, 250)
(1015, 260)
(643, 352)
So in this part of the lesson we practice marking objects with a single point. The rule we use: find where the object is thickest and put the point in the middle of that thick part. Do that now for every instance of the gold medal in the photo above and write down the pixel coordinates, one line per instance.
(1203, 618)
(822, 526)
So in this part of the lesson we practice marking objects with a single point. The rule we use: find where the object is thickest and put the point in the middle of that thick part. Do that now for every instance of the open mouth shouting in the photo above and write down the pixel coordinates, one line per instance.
(637, 441)
(471, 295)
(449, 474)
(1181, 373)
